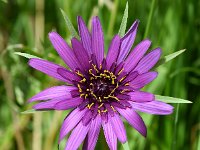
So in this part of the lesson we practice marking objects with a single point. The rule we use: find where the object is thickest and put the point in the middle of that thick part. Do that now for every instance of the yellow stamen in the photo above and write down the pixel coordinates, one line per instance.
(122, 79)
(101, 105)
(120, 71)
(79, 74)
(104, 110)
(113, 108)
(79, 88)
(90, 105)
(83, 80)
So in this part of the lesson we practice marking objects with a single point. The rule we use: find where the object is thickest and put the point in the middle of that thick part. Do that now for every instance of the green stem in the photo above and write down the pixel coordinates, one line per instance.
(149, 18)
(175, 129)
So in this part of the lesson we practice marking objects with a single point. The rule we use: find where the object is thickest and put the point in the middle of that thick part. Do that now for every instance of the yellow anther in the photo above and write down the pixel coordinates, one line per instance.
(120, 71)
(113, 108)
(125, 90)
(86, 95)
(79, 88)
(87, 89)
(114, 97)
(99, 111)
(104, 110)
(90, 72)
(122, 79)
(83, 80)
(100, 99)
(113, 81)
(90, 105)
(81, 95)
(79, 74)
(100, 105)
(95, 68)
(127, 84)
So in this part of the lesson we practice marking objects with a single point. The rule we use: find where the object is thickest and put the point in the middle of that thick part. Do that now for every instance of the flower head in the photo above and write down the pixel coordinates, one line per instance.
(100, 89)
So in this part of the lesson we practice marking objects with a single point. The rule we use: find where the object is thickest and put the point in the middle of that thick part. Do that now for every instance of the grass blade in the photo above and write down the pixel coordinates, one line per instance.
(29, 56)
(126, 146)
(124, 22)
(168, 99)
(69, 25)
(169, 57)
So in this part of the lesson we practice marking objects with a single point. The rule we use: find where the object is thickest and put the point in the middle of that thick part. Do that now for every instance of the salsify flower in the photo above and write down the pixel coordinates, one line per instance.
(99, 89)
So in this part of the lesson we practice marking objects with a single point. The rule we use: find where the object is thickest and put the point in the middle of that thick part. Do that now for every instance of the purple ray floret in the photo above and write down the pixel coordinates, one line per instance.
(100, 90)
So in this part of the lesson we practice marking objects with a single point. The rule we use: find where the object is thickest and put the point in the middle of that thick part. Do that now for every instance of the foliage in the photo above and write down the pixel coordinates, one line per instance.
(171, 25)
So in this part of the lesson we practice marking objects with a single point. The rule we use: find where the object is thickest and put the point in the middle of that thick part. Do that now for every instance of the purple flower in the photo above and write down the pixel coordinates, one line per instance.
(100, 90)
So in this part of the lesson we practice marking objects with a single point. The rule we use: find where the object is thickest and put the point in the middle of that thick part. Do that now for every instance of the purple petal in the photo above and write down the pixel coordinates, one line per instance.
(80, 53)
(85, 35)
(130, 77)
(113, 51)
(136, 54)
(139, 96)
(93, 134)
(70, 122)
(110, 136)
(134, 120)
(77, 136)
(87, 117)
(118, 128)
(97, 40)
(68, 75)
(148, 61)
(127, 42)
(154, 107)
(53, 92)
(64, 50)
(69, 103)
(143, 79)
(47, 104)
(47, 67)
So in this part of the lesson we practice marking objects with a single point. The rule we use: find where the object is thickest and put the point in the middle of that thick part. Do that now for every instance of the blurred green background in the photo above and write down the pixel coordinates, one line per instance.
(171, 25)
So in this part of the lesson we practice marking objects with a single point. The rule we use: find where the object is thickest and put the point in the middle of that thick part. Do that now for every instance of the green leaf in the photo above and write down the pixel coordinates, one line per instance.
(126, 146)
(168, 99)
(169, 57)
(124, 22)
(26, 55)
(173, 55)
(69, 25)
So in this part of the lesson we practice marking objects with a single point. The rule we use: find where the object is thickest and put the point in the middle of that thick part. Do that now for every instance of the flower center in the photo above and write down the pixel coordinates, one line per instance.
(98, 85)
